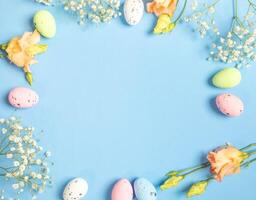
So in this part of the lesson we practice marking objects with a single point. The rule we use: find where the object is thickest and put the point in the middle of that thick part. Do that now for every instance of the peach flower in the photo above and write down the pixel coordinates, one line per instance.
(225, 161)
(18, 50)
(22, 50)
(160, 7)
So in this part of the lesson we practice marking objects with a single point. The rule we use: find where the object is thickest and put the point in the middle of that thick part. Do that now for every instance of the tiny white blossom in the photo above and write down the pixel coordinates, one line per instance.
(15, 186)
(9, 155)
(16, 164)
(4, 130)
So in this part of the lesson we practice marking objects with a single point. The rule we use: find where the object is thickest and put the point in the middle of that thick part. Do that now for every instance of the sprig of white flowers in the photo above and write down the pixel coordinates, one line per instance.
(238, 46)
(203, 17)
(24, 163)
(95, 11)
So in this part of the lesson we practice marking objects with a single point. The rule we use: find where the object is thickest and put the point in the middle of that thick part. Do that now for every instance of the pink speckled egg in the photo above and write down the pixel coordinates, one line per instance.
(122, 190)
(22, 97)
(230, 105)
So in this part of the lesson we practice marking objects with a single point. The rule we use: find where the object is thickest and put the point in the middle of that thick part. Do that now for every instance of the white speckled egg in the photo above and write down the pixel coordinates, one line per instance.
(75, 189)
(22, 97)
(133, 11)
(144, 189)
(122, 190)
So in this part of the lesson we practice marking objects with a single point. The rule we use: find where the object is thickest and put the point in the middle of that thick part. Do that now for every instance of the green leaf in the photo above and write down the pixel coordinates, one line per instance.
(3, 46)
(37, 49)
(29, 77)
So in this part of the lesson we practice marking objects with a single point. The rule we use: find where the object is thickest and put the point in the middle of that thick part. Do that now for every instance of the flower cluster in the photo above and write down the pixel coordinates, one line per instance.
(23, 162)
(238, 46)
(96, 11)
(223, 161)
(203, 18)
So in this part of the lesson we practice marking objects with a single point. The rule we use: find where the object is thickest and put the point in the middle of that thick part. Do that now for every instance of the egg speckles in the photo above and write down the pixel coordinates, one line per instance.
(122, 190)
(22, 97)
(144, 189)
(230, 105)
(133, 11)
(75, 189)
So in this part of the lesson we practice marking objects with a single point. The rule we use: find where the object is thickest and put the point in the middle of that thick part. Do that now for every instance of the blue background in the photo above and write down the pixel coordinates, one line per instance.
(117, 101)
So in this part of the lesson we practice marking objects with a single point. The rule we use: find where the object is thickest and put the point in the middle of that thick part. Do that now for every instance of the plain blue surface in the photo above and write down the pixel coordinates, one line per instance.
(116, 101)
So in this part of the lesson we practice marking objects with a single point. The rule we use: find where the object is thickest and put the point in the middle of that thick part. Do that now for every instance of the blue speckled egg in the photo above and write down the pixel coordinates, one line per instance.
(144, 190)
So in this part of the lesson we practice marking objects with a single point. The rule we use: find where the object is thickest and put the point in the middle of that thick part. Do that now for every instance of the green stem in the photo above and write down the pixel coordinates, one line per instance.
(209, 179)
(181, 13)
(235, 9)
(188, 170)
(3, 140)
(252, 153)
(178, 1)
(235, 18)
(248, 147)
(214, 3)
(246, 164)
(197, 169)
(3, 46)
(252, 4)
(3, 169)
(4, 148)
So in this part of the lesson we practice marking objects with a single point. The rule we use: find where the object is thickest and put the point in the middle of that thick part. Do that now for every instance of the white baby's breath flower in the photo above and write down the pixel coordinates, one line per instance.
(22, 167)
(34, 186)
(16, 163)
(194, 5)
(38, 161)
(4, 130)
(12, 148)
(33, 174)
(15, 186)
(9, 155)
(26, 178)
(21, 184)
(39, 176)
(8, 175)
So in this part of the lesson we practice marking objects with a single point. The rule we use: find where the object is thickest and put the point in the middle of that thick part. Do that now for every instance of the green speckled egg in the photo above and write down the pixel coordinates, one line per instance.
(45, 23)
(227, 78)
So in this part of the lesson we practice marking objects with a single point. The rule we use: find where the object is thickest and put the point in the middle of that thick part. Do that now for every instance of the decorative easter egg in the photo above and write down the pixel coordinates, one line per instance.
(229, 105)
(227, 78)
(144, 190)
(45, 23)
(22, 97)
(122, 190)
(133, 11)
(75, 189)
